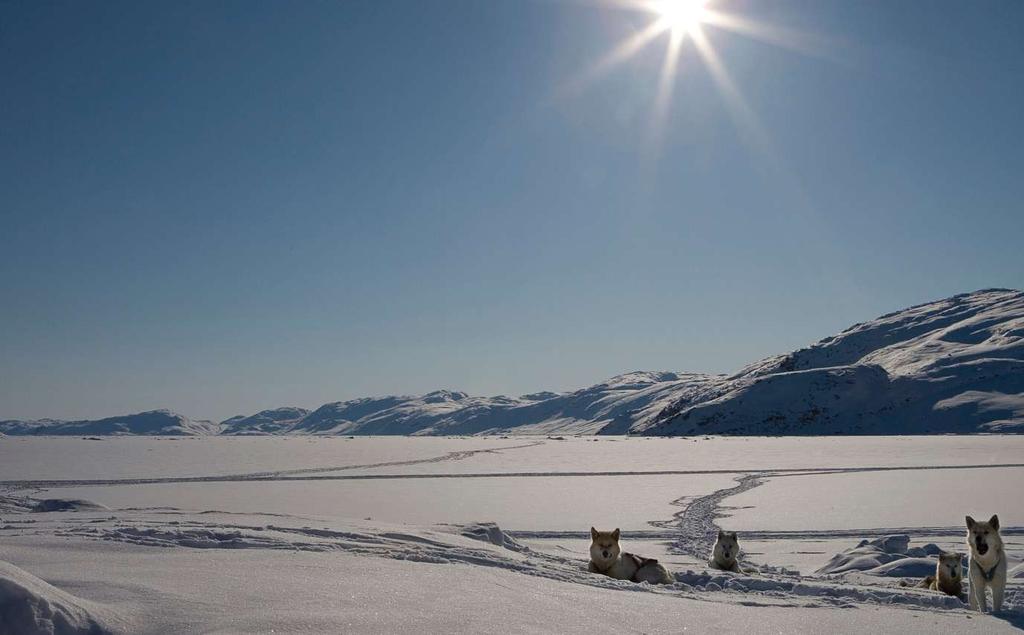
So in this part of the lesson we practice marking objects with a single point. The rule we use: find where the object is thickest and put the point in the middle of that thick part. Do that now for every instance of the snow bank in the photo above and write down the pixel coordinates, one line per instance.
(884, 556)
(29, 606)
(66, 505)
(492, 533)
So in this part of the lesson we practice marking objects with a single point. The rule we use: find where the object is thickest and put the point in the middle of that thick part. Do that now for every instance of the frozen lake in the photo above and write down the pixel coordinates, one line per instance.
(175, 534)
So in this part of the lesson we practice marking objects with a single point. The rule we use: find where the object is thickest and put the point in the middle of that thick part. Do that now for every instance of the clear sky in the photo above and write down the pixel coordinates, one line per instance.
(219, 207)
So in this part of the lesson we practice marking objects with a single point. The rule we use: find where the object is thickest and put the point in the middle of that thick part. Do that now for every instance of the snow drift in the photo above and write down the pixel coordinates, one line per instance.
(29, 606)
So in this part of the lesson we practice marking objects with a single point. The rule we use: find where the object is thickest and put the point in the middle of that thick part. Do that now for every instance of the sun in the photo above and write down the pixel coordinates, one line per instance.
(680, 16)
(686, 23)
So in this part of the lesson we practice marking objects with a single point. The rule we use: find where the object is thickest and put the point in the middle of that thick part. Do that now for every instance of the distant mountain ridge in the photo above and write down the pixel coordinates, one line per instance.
(950, 366)
(153, 422)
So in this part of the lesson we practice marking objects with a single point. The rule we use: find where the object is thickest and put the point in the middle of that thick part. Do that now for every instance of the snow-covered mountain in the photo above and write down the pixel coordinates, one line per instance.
(263, 422)
(154, 422)
(613, 404)
(951, 366)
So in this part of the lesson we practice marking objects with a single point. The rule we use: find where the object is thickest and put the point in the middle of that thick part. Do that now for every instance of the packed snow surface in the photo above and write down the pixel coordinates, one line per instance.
(385, 534)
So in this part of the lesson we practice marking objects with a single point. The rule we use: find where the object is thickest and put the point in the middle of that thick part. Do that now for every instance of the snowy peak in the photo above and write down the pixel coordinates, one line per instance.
(901, 341)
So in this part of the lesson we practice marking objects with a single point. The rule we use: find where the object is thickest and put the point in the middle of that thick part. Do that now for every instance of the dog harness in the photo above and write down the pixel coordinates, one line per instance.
(988, 575)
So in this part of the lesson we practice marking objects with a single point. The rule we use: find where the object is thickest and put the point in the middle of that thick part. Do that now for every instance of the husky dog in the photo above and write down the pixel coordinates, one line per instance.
(987, 567)
(607, 558)
(948, 576)
(727, 548)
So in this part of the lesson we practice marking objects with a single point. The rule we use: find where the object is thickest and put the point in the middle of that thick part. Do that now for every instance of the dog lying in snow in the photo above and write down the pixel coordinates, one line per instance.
(725, 552)
(948, 576)
(987, 566)
(607, 558)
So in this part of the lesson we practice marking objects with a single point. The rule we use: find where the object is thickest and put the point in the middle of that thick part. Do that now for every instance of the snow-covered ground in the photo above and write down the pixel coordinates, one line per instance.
(300, 534)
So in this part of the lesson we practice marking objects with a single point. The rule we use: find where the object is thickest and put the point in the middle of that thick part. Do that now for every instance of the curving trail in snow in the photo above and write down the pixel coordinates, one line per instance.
(695, 525)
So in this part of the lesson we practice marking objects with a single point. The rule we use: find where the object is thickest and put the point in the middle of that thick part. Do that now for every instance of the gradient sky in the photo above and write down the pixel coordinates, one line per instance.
(219, 207)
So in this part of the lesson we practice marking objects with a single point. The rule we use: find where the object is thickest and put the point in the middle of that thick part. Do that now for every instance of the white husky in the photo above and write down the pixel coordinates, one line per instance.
(727, 548)
(607, 558)
(987, 567)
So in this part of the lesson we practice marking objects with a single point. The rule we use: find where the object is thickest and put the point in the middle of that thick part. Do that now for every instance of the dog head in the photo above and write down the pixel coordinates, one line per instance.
(604, 547)
(727, 546)
(983, 536)
(949, 566)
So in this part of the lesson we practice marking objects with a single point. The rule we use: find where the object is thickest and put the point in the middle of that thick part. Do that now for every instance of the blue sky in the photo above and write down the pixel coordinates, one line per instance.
(223, 207)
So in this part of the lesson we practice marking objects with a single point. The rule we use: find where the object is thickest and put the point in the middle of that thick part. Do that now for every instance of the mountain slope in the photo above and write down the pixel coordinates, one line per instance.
(951, 366)
(154, 422)
(263, 422)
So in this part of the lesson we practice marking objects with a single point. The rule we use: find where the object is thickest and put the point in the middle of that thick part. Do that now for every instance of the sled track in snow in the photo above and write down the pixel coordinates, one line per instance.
(319, 473)
(277, 475)
(694, 526)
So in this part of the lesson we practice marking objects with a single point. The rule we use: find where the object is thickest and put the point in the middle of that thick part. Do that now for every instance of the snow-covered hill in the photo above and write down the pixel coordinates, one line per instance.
(154, 422)
(264, 421)
(951, 366)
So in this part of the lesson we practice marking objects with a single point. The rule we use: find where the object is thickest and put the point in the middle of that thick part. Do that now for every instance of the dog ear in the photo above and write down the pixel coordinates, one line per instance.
(970, 523)
(734, 536)
(615, 534)
(721, 534)
(994, 521)
(593, 533)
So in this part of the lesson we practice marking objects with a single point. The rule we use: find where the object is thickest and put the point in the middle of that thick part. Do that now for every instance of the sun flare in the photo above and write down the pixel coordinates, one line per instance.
(681, 16)
(684, 25)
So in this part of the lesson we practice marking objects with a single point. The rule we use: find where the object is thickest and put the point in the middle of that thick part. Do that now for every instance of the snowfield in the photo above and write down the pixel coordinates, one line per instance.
(486, 534)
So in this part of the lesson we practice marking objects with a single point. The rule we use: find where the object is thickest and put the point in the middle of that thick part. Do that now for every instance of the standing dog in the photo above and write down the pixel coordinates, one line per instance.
(948, 576)
(727, 548)
(987, 567)
(608, 559)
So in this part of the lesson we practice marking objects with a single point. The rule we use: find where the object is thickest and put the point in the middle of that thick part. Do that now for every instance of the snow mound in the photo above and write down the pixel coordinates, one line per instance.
(885, 556)
(905, 568)
(29, 606)
(492, 533)
(66, 505)
(814, 591)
